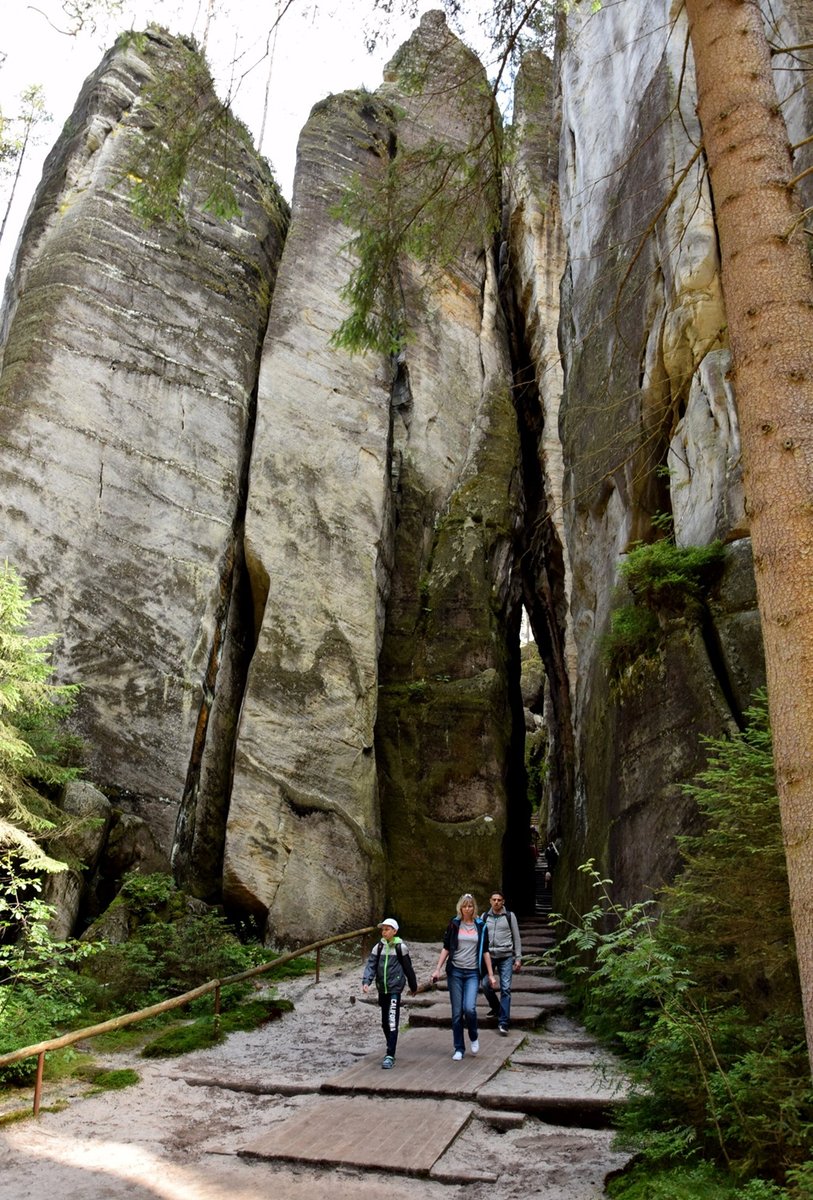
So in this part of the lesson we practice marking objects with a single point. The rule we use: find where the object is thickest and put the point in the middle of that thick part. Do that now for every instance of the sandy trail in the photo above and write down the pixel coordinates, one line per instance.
(169, 1137)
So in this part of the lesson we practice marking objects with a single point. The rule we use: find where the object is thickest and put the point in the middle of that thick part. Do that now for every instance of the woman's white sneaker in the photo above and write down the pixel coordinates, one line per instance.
(456, 1057)
(475, 1046)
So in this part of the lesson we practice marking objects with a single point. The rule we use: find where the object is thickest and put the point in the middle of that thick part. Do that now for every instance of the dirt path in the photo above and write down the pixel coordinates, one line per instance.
(170, 1137)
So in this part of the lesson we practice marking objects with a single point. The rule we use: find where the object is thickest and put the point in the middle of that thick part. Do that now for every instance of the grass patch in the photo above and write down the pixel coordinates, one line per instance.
(19, 1114)
(114, 1081)
(205, 1032)
(183, 1039)
(298, 966)
(131, 1037)
(22, 1114)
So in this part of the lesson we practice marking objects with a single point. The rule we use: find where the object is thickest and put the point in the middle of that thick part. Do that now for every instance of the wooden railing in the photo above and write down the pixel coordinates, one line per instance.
(214, 985)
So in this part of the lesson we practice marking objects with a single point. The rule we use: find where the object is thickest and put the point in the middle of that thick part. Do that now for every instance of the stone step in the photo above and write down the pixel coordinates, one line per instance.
(522, 981)
(579, 1093)
(522, 1015)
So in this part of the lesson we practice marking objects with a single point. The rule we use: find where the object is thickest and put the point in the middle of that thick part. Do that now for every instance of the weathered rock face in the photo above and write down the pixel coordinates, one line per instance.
(305, 613)
(642, 310)
(89, 819)
(449, 698)
(647, 426)
(303, 839)
(372, 479)
(130, 357)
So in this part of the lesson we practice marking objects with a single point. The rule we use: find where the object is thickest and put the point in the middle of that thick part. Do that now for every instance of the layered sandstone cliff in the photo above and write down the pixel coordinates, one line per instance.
(647, 426)
(126, 412)
(290, 578)
(377, 720)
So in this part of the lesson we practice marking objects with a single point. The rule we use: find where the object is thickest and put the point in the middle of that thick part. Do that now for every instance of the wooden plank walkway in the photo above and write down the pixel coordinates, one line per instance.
(424, 1067)
(351, 1132)
(426, 1101)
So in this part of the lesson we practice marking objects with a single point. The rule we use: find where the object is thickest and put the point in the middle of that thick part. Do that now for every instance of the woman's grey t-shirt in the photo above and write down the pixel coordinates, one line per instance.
(465, 956)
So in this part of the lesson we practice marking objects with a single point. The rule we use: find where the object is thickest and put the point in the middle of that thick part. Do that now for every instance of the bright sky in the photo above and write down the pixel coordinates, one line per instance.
(319, 49)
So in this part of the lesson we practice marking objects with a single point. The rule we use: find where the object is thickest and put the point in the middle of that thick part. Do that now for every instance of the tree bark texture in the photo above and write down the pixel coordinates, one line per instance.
(768, 290)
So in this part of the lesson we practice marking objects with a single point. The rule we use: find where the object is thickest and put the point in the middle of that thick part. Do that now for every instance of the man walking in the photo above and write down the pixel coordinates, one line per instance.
(506, 957)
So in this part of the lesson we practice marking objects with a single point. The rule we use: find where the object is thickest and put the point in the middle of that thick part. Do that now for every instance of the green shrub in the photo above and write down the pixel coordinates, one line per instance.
(166, 958)
(634, 633)
(701, 992)
(671, 578)
(33, 745)
(701, 1181)
(39, 989)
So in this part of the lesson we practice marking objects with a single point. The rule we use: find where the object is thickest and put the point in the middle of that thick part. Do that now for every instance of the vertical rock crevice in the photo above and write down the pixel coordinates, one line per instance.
(533, 268)
(200, 831)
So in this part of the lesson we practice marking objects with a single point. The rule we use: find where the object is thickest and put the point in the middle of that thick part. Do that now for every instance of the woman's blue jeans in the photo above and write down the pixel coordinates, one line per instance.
(463, 989)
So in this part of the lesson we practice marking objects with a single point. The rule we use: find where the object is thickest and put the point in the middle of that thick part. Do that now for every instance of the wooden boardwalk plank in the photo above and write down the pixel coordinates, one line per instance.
(406, 1135)
(424, 1067)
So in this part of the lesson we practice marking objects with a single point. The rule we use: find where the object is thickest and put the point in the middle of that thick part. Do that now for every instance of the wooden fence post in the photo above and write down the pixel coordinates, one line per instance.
(38, 1084)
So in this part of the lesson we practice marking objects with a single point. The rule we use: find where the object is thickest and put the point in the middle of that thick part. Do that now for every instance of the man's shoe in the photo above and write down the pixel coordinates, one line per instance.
(475, 1046)
(388, 1062)
(502, 1030)
(457, 1056)
(495, 1012)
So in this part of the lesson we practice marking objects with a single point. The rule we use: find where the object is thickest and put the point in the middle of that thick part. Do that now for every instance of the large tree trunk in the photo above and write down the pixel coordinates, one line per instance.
(768, 289)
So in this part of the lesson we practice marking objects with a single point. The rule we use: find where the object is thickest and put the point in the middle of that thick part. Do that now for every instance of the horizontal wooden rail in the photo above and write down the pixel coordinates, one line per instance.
(214, 985)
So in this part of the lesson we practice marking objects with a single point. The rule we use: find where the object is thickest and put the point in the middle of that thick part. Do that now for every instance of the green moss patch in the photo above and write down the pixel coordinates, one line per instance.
(208, 1031)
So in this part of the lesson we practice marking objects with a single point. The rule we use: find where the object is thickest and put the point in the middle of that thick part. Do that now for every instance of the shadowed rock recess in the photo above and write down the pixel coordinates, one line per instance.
(289, 579)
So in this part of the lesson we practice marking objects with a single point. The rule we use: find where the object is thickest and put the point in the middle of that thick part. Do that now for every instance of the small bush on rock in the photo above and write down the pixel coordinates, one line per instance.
(170, 951)
(664, 583)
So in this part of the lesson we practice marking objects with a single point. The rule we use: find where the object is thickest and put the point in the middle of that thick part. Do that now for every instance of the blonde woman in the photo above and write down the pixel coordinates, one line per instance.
(465, 953)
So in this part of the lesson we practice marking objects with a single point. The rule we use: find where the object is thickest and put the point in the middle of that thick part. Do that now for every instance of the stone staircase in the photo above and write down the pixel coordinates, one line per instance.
(535, 991)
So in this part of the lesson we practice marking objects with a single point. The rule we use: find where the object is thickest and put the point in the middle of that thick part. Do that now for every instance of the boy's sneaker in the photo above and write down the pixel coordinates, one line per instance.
(457, 1056)
(475, 1046)
(388, 1062)
(502, 1030)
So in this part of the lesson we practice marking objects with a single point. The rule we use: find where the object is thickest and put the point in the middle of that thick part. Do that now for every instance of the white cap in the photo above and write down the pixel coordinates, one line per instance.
(389, 921)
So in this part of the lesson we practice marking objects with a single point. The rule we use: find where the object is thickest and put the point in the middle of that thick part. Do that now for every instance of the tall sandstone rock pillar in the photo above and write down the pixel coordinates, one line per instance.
(126, 409)
(303, 837)
(379, 542)
(449, 699)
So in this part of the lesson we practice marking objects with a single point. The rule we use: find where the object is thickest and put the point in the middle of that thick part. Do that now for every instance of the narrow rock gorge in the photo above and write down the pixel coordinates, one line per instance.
(289, 578)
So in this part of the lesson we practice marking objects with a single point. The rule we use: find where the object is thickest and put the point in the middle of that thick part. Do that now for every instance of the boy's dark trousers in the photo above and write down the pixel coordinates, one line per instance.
(390, 1016)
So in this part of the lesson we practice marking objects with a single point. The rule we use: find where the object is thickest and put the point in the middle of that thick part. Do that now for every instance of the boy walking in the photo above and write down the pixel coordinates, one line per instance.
(390, 966)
